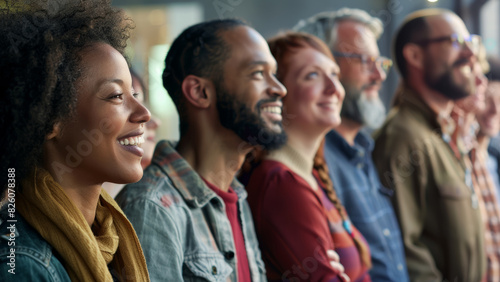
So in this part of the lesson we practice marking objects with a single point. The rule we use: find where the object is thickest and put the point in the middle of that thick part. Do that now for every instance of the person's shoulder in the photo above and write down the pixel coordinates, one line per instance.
(153, 186)
(404, 120)
(25, 255)
(154, 198)
(274, 179)
(404, 129)
(274, 171)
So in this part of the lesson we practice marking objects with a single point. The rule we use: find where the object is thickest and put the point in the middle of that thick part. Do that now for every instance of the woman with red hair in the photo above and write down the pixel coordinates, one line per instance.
(297, 214)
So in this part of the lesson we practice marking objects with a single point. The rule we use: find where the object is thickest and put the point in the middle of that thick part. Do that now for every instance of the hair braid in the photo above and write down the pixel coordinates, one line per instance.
(322, 169)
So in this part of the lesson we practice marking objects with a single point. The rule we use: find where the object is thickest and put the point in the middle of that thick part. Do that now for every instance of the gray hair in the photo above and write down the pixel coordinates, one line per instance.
(324, 24)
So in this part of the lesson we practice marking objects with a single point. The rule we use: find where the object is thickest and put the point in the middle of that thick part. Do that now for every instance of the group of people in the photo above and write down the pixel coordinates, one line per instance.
(275, 176)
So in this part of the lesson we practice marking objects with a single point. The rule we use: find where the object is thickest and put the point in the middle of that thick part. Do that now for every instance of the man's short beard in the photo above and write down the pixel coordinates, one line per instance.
(369, 112)
(248, 125)
(445, 84)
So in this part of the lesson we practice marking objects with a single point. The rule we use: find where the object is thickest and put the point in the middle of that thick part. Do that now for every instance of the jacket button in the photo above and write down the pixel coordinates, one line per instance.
(214, 270)
(229, 255)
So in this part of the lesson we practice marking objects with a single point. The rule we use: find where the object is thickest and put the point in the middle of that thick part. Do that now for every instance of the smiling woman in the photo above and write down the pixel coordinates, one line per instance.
(298, 217)
(74, 122)
(105, 97)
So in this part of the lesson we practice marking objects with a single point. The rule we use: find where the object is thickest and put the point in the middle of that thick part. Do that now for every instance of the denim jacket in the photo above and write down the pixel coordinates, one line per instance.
(368, 203)
(182, 224)
(33, 258)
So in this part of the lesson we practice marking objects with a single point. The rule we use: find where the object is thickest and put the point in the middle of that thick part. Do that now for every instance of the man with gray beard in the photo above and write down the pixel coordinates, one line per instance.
(434, 199)
(352, 36)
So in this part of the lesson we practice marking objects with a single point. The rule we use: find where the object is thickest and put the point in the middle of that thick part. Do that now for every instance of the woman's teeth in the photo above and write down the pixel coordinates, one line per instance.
(132, 141)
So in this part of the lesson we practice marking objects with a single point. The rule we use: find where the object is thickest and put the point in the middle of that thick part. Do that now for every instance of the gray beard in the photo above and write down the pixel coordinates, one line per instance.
(368, 112)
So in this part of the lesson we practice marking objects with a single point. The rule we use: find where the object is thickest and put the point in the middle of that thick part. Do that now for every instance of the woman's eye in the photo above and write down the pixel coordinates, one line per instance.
(116, 96)
(312, 75)
(136, 95)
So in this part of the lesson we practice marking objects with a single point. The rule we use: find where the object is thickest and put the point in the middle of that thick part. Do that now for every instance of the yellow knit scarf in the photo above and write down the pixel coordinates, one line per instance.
(85, 253)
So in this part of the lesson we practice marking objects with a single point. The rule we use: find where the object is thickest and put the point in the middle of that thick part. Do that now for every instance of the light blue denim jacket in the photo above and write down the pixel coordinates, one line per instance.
(182, 224)
(34, 257)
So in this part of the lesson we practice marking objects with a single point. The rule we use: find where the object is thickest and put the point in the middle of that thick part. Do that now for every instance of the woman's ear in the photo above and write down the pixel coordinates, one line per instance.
(56, 131)
(413, 55)
(197, 91)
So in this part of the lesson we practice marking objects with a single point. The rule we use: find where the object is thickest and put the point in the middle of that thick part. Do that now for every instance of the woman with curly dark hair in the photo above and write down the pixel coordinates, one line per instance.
(71, 122)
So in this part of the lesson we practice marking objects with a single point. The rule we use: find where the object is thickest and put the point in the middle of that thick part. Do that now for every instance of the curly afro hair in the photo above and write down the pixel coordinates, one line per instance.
(40, 42)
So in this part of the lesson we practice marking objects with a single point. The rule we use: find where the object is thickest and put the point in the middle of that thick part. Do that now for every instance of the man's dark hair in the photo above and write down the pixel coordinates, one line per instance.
(414, 30)
(494, 73)
(40, 45)
(199, 50)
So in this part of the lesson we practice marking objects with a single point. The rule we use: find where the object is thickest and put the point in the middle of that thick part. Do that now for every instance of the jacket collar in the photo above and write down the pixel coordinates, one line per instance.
(444, 125)
(189, 184)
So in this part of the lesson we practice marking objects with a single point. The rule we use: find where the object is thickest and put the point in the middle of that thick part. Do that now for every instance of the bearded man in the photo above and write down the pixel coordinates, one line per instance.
(434, 199)
(189, 212)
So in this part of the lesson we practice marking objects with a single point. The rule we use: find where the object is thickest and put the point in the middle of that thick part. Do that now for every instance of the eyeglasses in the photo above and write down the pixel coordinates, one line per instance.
(457, 41)
(368, 61)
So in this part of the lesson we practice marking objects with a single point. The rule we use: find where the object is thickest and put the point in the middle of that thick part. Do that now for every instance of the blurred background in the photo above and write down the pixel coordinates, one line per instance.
(158, 22)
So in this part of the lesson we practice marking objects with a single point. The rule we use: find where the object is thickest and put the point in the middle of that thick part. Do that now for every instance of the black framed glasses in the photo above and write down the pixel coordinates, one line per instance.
(370, 62)
(457, 41)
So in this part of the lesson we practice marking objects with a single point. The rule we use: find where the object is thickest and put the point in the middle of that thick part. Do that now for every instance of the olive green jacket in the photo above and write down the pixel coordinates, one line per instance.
(440, 223)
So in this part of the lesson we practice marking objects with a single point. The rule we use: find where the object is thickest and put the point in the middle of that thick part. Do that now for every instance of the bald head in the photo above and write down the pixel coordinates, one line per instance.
(417, 26)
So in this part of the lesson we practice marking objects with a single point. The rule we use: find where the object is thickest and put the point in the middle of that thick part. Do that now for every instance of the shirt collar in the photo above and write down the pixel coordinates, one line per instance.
(189, 184)
(363, 144)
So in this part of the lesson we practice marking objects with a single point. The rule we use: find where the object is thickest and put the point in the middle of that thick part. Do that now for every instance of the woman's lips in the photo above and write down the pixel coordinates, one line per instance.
(136, 150)
(132, 144)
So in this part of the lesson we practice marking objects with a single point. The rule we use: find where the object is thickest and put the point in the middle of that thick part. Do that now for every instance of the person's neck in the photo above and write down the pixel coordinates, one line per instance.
(215, 156)
(439, 103)
(81, 186)
(348, 129)
(84, 195)
(85, 199)
(298, 154)
(306, 144)
(482, 142)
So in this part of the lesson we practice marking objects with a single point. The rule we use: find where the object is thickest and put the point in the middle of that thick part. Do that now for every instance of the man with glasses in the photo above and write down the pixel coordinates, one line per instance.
(437, 207)
(352, 36)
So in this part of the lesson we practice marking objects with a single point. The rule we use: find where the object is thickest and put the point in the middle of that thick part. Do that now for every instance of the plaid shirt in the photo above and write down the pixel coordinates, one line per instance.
(490, 211)
(182, 224)
(465, 146)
